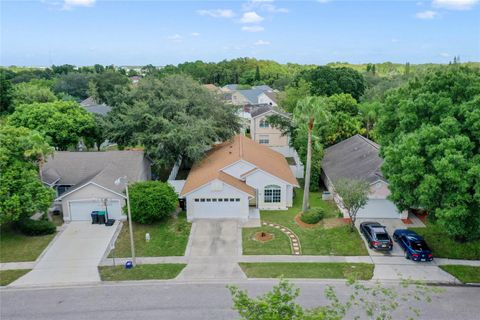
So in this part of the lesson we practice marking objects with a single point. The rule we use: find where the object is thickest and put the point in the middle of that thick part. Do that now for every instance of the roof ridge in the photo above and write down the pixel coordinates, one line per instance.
(370, 142)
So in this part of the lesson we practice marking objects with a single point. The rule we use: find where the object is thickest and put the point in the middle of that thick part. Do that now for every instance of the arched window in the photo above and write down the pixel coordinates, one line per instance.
(272, 194)
(264, 124)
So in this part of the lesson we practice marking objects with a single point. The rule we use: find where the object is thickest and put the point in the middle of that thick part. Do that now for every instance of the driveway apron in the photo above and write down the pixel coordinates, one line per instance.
(73, 257)
(213, 251)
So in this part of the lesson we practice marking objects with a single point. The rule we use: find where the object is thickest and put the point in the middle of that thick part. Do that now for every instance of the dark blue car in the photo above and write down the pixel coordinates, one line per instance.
(414, 246)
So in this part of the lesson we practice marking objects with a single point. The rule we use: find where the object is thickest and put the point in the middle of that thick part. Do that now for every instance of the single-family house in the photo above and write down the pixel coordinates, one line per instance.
(262, 132)
(358, 158)
(92, 106)
(85, 181)
(237, 178)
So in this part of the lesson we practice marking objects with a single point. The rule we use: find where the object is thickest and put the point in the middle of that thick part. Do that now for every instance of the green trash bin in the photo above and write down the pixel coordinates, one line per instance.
(101, 217)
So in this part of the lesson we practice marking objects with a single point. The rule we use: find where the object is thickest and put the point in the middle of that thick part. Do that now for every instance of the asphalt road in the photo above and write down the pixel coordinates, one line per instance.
(162, 300)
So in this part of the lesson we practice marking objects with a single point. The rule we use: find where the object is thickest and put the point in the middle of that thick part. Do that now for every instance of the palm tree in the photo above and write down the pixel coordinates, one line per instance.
(310, 111)
(369, 112)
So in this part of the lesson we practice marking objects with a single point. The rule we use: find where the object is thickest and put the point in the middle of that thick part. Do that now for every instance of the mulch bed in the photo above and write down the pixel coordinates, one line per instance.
(263, 236)
(331, 223)
(407, 221)
(302, 224)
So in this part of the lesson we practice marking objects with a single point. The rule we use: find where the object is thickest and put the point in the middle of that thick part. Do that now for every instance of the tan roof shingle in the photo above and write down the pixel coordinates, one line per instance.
(229, 152)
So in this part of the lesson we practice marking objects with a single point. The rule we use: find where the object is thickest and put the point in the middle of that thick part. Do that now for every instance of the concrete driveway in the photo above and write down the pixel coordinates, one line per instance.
(73, 256)
(391, 225)
(213, 250)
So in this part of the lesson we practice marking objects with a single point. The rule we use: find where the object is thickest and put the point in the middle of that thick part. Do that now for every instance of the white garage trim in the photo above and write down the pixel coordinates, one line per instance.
(86, 184)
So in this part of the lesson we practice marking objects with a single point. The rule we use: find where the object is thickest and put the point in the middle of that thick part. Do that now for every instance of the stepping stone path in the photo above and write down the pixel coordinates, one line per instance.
(294, 241)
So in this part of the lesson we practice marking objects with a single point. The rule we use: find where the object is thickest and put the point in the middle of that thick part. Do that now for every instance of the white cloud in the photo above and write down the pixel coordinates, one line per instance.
(426, 15)
(195, 34)
(175, 37)
(395, 40)
(253, 28)
(323, 1)
(70, 4)
(445, 54)
(262, 43)
(251, 17)
(454, 4)
(217, 13)
(263, 5)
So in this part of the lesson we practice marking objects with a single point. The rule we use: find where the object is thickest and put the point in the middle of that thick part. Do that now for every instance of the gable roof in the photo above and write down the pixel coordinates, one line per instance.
(272, 95)
(234, 150)
(251, 94)
(267, 108)
(103, 168)
(355, 158)
(90, 105)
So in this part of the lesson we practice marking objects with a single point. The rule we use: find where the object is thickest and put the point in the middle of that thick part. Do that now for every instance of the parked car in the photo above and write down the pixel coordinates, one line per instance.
(414, 246)
(376, 235)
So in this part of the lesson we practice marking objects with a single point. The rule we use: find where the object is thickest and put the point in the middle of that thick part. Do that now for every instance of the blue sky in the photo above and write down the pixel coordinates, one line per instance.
(85, 32)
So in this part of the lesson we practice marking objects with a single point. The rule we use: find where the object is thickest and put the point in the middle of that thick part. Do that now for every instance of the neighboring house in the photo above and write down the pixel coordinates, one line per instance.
(85, 181)
(135, 79)
(268, 98)
(91, 106)
(262, 132)
(242, 97)
(237, 178)
(358, 158)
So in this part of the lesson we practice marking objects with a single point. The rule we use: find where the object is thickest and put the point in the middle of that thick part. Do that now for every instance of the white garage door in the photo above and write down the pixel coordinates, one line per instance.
(217, 208)
(81, 209)
(379, 209)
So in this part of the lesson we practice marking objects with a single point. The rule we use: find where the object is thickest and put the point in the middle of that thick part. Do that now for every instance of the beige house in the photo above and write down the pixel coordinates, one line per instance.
(237, 178)
(262, 132)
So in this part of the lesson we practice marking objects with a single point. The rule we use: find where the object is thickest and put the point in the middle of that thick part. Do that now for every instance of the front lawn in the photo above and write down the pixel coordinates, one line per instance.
(280, 244)
(8, 276)
(466, 274)
(445, 247)
(357, 271)
(167, 238)
(17, 247)
(314, 241)
(141, 272)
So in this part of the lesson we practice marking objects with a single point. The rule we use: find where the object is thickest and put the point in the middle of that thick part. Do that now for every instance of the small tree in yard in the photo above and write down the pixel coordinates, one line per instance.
(354, 194)
(151, 201)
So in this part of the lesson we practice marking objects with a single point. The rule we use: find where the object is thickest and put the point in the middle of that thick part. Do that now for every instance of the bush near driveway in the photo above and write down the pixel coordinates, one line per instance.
(8, 276)
(17, 247)
(314, 270)
(313, 216)
(314, 241)
(445, 247)
(466, 274)
(141, 272)
(168, 238)
(151, 201)
(31, 227)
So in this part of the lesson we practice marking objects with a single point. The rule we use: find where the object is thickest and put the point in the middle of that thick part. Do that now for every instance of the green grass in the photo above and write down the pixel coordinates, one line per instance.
(357, 271)
(141, 272)
(445, 247)
(17, 247)
(167, 238)
(315, 241)
(466, 274)
(8, 276)
(280, 244)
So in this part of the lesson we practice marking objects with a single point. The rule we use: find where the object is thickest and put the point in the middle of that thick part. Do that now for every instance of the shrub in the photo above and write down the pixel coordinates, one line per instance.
(151, 201)
(313, 216)
(31, 227)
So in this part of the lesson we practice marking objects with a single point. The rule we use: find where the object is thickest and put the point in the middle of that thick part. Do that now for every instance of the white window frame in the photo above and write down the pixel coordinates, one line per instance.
(264, 139)
(264, 124)
(272, 194)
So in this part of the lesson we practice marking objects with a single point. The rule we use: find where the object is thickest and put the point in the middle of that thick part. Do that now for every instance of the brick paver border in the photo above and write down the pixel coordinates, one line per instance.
(294, 241)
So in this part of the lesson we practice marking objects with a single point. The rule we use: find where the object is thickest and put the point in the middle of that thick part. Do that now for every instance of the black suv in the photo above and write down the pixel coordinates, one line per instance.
(377, 236)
